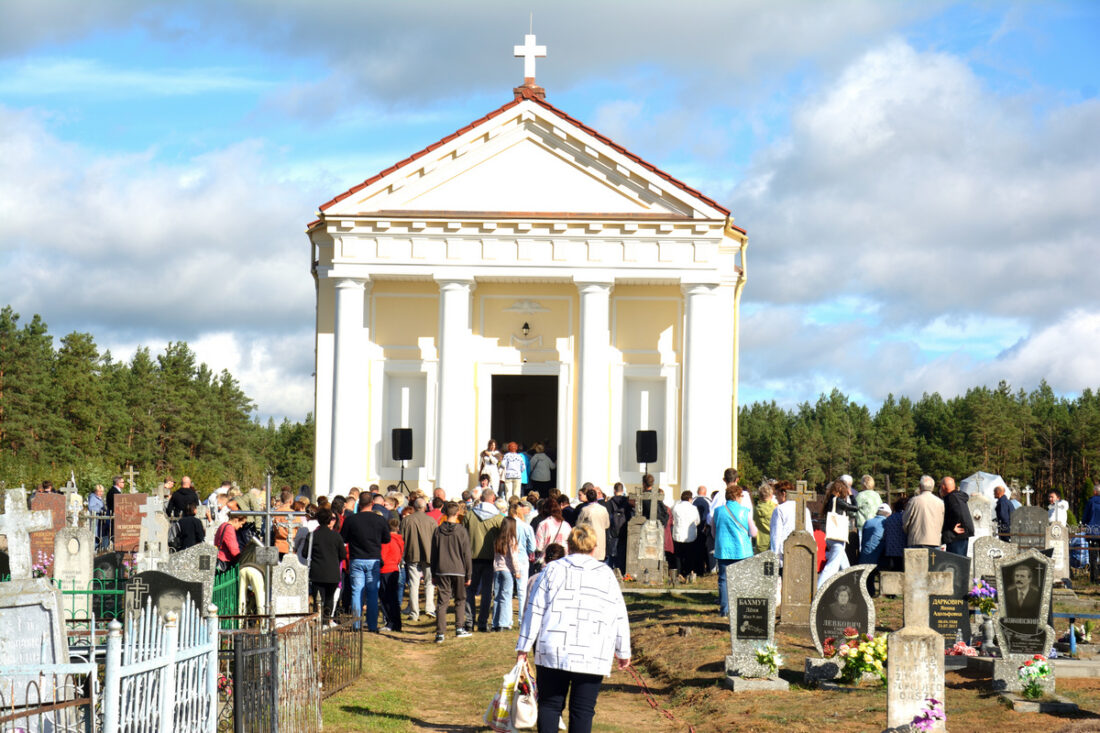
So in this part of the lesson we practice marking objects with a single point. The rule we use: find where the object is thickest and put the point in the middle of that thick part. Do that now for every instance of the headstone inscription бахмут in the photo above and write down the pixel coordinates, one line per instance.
(753, 585)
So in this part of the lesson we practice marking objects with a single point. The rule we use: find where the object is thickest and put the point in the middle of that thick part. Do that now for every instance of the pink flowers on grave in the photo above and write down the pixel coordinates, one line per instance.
(41, 568)
(933, 712)
(961, 649)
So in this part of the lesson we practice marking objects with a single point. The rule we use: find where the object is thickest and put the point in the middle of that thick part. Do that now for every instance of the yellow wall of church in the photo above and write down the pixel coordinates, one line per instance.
(646, 323)
(402, 314)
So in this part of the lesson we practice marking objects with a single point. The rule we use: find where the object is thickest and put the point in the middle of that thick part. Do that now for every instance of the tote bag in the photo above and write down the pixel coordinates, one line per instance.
(836, 525)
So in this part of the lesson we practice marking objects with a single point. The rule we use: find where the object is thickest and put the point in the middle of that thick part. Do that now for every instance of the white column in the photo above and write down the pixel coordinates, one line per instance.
(350, 408)
(705, 395)
(593, 386)
(455, 447)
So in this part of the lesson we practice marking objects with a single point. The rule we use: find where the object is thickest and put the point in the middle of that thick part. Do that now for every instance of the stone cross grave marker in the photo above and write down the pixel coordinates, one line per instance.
(799, 565)
(130, 474)
(42, 540)
(753, 588)
(1022, 611)
(73, 558)
(1027, 492)
(842, 602)
(289, 588)
(17, 524)
(915, 670)
(949, 613)
(196, 564)
(73, 502)
(31, 634)
(800, 496)
(1029, 527)
(127, 521)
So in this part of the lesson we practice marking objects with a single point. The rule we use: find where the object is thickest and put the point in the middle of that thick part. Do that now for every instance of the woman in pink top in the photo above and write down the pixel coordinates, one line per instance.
(552, 529)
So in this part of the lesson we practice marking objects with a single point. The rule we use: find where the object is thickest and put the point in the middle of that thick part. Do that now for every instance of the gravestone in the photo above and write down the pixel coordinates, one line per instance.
(1029, 527)
(915, 669)
(1022, 626)
(108, 574)
(1057, 540)
(949, 613)
(983, 512)
(42, 541)
(167, 592)
(127, 522)
(31, 633)
(17, 525)
(842, 603)
(153, 535)
(799, 564)
(988, 552)
(196, 564)
(289, 588)
(645, 543)
(73, 554)
(753, 586)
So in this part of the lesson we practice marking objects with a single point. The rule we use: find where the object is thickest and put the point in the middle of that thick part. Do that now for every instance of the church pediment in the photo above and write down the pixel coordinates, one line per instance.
(526, 157)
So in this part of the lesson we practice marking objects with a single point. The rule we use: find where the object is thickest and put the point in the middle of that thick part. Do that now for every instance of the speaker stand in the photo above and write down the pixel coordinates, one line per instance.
(401, 485)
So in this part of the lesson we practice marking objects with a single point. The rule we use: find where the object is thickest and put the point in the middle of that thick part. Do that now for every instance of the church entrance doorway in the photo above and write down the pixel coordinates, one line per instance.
(525, 410)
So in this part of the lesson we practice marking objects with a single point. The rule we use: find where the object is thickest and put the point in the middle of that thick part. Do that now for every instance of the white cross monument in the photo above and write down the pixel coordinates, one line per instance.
(529, 52)
(16, 524)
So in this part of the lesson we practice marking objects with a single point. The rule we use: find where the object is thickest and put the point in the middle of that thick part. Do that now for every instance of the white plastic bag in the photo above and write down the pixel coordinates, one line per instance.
(525, 705)
(498, 716)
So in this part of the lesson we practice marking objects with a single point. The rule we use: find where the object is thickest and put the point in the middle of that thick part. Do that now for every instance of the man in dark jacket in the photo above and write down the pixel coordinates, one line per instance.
(324, 564)
(1003, 512)
(181, 497)
(417, 530)
(365, 533)
(958, 524)
(451, 570)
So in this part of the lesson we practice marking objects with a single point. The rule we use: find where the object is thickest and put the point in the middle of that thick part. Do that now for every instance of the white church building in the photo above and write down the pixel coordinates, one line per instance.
(525, 279)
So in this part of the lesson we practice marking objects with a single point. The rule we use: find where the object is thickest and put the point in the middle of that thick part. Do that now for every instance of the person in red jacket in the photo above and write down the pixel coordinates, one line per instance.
(389, 589)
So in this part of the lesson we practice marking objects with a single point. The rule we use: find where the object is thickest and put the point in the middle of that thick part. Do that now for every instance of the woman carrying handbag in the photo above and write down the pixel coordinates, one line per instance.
(837, 529)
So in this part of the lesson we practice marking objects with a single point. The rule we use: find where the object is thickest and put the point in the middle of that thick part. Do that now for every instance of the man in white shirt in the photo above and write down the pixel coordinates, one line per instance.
(783, 518)
(685, 528)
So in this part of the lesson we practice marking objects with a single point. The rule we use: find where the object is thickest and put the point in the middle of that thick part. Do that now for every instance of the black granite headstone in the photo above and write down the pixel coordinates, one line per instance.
(168, 593)
(950, 614)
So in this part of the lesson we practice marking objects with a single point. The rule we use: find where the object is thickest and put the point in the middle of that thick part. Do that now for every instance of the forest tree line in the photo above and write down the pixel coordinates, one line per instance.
(76, 409)
(1036, 437)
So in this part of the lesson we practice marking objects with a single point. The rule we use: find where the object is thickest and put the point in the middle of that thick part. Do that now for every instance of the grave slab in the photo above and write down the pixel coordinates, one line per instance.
(42, 541)
(127, 522)
(1021, 626)
(17, 524)
(31, 633)
(73, 559)
(799, 578)
(196, 564)
(841, 602)
(753, 587)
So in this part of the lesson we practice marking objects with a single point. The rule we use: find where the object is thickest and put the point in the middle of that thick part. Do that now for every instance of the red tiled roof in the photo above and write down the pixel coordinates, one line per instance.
(551, 108)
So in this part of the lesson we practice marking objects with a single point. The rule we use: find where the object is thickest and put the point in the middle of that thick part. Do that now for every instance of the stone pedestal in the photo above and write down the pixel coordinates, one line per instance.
(759, 684)
(914, 674)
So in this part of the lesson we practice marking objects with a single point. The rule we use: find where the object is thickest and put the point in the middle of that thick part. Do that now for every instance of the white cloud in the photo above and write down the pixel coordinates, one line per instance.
(79, 76)
(133, 250)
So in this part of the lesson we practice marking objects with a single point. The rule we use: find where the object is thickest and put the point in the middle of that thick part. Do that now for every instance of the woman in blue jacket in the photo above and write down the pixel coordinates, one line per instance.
(733, 534)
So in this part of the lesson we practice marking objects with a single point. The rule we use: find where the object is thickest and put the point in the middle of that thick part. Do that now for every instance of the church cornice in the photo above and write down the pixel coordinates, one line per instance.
(524, 225)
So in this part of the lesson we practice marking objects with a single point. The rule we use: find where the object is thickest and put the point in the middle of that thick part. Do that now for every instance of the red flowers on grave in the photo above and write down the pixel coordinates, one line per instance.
(850, 632)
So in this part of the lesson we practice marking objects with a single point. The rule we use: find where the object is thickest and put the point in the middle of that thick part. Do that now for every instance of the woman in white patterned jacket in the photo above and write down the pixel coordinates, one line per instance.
(576, 620)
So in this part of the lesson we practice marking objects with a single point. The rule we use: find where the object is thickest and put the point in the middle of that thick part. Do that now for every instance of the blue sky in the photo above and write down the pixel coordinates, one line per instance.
(920, 181)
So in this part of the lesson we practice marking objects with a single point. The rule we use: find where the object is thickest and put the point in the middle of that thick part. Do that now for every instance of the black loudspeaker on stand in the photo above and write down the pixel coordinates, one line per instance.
(401, 441)
(645, 446)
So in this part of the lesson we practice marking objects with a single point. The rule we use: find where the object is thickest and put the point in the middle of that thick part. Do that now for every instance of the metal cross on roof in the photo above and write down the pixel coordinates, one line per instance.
(529, 51)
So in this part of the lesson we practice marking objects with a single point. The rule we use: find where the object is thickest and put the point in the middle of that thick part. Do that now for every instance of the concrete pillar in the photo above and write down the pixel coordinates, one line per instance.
(705, 396)
(455, 448)
(593, 386)
(350, 408)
